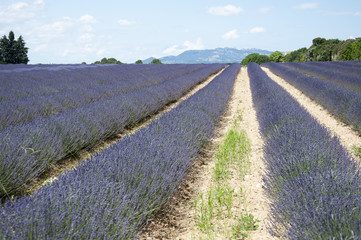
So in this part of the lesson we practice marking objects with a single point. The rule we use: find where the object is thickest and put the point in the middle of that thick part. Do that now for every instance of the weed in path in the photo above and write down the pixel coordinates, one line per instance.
(215, 214)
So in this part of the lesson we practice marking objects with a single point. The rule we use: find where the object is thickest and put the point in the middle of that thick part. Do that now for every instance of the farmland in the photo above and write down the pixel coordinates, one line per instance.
(302, 180)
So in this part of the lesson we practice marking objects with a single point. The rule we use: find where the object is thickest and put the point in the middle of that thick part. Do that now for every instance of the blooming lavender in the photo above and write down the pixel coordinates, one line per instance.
(27, 150)
(115, 193)
(312, 181)
(343, 76)
(344, 103)
(17, 108)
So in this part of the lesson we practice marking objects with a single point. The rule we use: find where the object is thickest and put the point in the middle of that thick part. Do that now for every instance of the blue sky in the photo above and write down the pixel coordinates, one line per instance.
(73, 31)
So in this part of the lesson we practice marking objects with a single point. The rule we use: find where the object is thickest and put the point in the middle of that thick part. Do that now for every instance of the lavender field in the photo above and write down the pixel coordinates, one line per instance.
(50, 112)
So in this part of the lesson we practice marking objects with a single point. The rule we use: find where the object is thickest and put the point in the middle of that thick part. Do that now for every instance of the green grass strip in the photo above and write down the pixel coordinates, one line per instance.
(214, 216)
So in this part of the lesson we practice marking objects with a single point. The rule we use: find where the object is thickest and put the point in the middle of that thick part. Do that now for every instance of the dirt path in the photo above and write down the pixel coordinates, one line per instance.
(257, 204)
(348, 137)
(177, 219)
(69, 163)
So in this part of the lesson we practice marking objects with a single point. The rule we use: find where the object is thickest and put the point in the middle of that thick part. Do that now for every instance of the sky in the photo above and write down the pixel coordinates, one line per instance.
(75, 31)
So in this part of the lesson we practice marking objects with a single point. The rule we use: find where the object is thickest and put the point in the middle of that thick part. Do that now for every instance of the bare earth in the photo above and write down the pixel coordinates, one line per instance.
(176, 220)
(257, 204)
(347, 136)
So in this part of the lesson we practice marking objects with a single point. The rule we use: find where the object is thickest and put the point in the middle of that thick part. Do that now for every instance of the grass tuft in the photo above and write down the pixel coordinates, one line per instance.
(214, 215)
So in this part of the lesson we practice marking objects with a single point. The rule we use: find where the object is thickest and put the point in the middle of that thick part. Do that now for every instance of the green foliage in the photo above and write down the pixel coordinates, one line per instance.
(13, 51)
(322, 50)
(155, 61)
(139, 62)
(255, 57)
(246, 223)
(295, 56)
(326, 50)
(108, 61)
(276, 56)
(352, 51)
(357, 151)
(318, 41)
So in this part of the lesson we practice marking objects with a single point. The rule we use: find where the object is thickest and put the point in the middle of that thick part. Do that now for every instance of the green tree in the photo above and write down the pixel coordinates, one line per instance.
(295, 56)
(276, 56)
(347, 52)
(255, 57)
(323, 50)
(108, 61)
(352, 51)
(139, 62)
(356, 50)
(13, 51)
(155, 61)
(318, 41)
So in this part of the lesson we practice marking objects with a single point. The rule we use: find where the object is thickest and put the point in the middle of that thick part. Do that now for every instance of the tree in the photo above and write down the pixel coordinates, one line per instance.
(155, 61)
(296, 56)
(255, 57)
(352, 51)
(318, 41)
(139, 62)
(108, 61)
(276, 56)
(13, 51)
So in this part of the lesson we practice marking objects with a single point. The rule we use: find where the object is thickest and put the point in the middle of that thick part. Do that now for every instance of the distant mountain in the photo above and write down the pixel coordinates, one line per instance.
(218, 55)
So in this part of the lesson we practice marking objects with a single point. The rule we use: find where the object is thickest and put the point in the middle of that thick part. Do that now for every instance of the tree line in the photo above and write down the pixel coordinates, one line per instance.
(321, 50)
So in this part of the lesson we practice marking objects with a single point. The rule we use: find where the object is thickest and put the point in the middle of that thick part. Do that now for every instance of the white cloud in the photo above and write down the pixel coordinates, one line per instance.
(18, 6)
(341, 13)
(39, 2)
(187, 45)
(265, 9)
(59, 26)
(257, 30)
(225, 10)
(231, 34)
(307, 5)
(86, 37)
(41, 47)
(20, 11)
(87, 19)
(125, 22)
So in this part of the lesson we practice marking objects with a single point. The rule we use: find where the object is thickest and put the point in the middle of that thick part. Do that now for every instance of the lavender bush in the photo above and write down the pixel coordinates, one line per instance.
(115, 193)
(311, 180)
(104, 86)
(27, 150)
(329, 73)
(18, 82)
(339, 67)
(344, 103)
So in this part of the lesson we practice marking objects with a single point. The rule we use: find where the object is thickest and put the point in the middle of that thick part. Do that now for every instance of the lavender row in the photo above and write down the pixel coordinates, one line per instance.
(338, 67)
(342, 102)
(345, 80)
(27, 150)
(53, 79)
(115, 193)
(353, 63)
(311, 180)
(24, 110)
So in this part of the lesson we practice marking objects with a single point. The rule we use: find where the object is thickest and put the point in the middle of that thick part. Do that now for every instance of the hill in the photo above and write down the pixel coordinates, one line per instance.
(218, 55)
